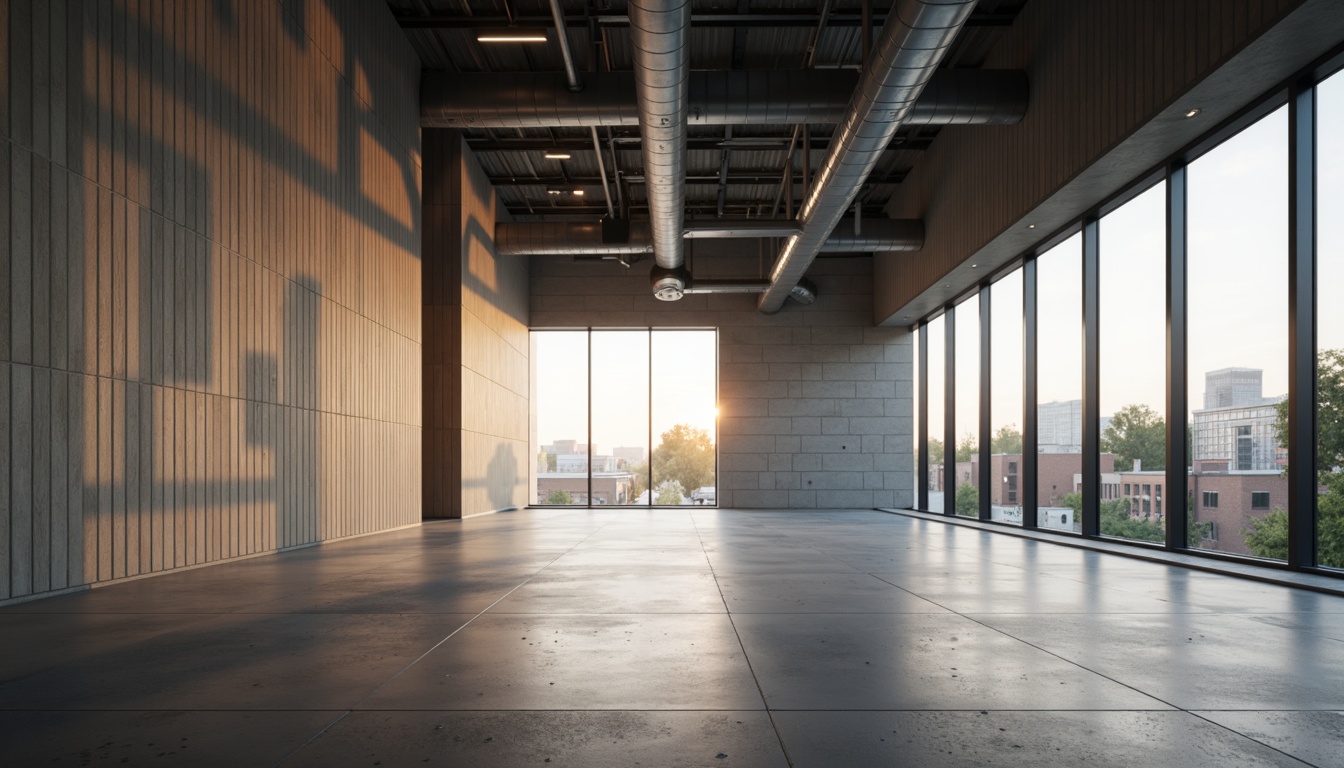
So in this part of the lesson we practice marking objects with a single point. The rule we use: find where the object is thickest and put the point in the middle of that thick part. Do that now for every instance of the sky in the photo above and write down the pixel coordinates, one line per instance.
(684, 365)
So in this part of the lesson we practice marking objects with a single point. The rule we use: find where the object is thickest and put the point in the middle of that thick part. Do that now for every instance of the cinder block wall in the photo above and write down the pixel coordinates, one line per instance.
(210, 227)
(814, 402)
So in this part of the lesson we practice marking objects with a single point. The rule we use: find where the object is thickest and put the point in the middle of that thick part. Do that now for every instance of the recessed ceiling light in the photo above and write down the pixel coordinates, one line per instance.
(555, 191)
(973, 266)
(511, 36)
(557, 155)
(578, 193)
(1031, 226)
(1192, 112)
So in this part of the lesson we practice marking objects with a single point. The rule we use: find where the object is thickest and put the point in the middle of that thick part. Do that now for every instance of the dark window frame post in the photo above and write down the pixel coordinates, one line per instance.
(1177, 481)
(1302, 326)
(922, 449)
(1091, 459)
(950, 411)
(1028, 478)
(986, 476)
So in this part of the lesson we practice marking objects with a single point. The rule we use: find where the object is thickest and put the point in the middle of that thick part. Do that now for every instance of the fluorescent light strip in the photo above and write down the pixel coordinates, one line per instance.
(518, 38)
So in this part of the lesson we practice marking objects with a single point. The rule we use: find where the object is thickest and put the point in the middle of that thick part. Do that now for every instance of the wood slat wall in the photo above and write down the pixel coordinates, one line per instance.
(209, 333)
(1099, 72)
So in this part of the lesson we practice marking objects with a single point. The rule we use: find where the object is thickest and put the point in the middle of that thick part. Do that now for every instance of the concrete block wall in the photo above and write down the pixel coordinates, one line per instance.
(209, 225)
(476, 457)
(814, 402)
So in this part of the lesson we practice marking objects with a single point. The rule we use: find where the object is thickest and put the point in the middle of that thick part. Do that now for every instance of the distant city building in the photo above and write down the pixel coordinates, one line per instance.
(1228, 387)
(1059, 427)
(607, 487)
(578, 462)
(1234, 432)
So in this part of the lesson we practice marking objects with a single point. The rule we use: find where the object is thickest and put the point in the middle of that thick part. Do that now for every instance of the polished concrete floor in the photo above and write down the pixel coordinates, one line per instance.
(696, 638)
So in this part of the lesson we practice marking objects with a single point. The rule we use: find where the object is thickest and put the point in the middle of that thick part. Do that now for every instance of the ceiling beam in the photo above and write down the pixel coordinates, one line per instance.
(703, 20)
(735, 178)
(482, 144)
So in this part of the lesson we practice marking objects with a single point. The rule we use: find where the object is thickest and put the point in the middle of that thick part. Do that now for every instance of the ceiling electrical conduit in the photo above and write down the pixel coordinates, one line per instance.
(729, 97)
(660, 38)
(913, 42)
(585, 239)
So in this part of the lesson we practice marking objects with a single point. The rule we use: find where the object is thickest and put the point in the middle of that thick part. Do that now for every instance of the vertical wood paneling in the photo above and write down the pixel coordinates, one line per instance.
(222, 334)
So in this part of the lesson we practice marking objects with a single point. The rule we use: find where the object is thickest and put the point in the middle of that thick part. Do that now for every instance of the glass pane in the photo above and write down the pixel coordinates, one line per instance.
(1132, 274)
(1238, 341)
(620, 402)
(685, 414)
(560, 425)
(1330, 321)
(967, 322)
(1059, 385)
(1005, 399)
(937, 377)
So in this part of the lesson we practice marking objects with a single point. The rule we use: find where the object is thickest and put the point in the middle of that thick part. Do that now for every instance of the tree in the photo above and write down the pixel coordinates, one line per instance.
(935, 451)
(1116, 521)
(966, 447)
(968, 501)
(1136, 432)
(1268, 536)
(669, 493)
(639, 482)
(1006, 440)
(686, 455)
(546, 461)
(559, 497)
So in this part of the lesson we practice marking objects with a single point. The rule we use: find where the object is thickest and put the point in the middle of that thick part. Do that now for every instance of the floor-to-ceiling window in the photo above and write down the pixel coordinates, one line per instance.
(625, 417)
(1132, 271)
(1329, 521)
(966, 499)
(1237, 330)
(1006, 355)
(1203, 288)
(1059, 385)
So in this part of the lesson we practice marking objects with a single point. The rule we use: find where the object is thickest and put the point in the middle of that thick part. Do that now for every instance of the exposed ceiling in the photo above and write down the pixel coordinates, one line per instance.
(725, 35)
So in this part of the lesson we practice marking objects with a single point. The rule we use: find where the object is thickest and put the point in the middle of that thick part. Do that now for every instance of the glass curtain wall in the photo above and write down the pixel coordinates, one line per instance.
(1132, 272)
(937, 340)
(1235, 216)
(1237, 331)
(914, 421)
(1059, 385)
(1005, 394)
(625, 417)
(1329, 323)
(967, 409)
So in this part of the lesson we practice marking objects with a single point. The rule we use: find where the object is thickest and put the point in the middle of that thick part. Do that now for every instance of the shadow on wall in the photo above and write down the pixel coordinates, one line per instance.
(501, 478)
(164, 332)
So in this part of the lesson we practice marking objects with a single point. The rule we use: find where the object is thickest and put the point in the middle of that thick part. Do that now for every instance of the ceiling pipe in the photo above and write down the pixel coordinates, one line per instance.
(719, 97)
(913, 42)
(571, 72)
(548, 238)
(804, 292)
(660, 38)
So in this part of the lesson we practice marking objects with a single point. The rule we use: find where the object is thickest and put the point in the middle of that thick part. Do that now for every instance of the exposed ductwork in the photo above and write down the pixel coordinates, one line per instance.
(660, 37)
(804, 292)
(914, 39)
(586, 239)
(731, 97)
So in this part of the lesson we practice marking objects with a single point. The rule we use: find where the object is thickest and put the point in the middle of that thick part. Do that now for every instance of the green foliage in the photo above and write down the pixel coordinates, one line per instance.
(1006, 440)
(1268, 536)
(1136, 432)
(686, 455)
(968, 501)
(639, 482)
(1116, 521)
(546, 460)
(559, 497)
(935, 452)
(966, 447)
(669, 493)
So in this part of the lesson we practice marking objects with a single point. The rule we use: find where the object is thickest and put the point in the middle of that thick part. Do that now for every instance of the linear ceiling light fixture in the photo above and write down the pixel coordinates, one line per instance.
(557, 155)
(509, 35)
